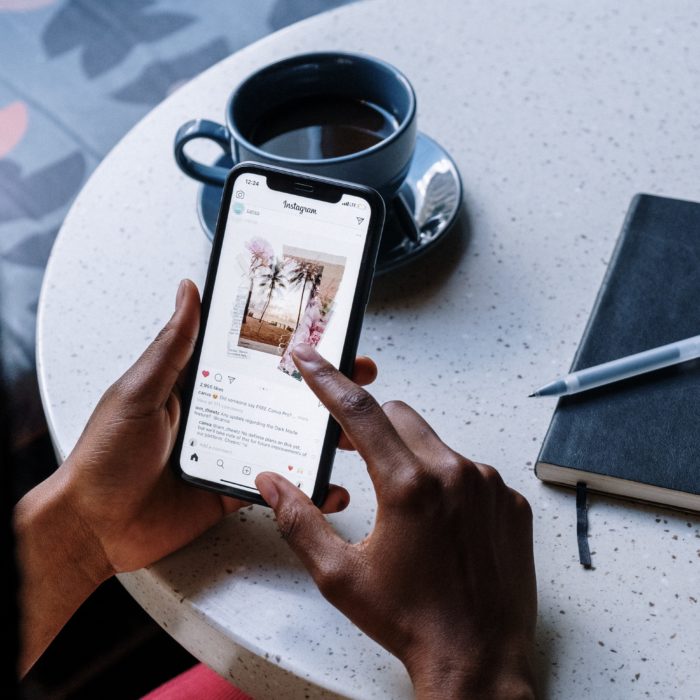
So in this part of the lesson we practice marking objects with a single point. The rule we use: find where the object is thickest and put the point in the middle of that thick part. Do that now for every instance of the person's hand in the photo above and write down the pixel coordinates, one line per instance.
(115, 504)
(133, 506)
(446, 580)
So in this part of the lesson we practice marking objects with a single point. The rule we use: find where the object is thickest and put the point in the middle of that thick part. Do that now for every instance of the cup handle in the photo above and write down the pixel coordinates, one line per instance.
(202, 129)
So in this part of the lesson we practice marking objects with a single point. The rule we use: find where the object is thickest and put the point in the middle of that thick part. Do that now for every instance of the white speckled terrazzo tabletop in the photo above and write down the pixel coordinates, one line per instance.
(557, 113)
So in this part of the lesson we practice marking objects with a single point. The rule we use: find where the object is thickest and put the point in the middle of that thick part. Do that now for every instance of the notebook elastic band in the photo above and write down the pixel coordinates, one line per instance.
(584, 553)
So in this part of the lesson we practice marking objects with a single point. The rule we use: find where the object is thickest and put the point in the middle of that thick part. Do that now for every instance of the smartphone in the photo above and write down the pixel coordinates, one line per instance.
(292, 262)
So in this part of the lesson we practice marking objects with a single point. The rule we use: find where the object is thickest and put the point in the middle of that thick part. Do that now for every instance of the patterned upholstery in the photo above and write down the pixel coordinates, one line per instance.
(75, 75)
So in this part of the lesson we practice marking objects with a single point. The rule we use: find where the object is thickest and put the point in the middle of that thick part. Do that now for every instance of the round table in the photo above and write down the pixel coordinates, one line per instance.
(556, 113)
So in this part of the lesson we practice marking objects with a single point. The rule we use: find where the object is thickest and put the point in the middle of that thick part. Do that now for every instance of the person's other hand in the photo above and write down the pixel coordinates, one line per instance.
(117, 480)
(446, 580)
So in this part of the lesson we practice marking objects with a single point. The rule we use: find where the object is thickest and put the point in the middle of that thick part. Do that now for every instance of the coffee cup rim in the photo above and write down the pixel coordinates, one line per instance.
(237, 136)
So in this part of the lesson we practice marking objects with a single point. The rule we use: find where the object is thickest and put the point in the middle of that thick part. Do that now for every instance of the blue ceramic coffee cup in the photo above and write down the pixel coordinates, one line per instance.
(374, 98)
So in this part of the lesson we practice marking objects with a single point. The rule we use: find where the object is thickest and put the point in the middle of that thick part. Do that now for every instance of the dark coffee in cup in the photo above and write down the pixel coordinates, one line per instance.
(331, 114)
(318, 126)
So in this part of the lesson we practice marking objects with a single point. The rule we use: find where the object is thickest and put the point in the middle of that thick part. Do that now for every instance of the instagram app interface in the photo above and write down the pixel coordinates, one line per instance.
(287, 275)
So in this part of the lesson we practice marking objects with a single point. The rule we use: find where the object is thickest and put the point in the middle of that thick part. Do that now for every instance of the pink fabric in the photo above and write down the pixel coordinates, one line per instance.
(13, 122)
(199, 683)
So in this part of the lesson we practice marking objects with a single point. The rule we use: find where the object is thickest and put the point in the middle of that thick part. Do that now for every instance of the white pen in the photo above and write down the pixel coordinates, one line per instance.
(622, 368)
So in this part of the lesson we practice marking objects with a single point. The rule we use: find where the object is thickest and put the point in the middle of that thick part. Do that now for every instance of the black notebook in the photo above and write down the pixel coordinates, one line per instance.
(638, 438)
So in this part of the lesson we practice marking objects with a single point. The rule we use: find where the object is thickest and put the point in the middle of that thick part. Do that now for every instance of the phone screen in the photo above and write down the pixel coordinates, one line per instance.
(287, 274)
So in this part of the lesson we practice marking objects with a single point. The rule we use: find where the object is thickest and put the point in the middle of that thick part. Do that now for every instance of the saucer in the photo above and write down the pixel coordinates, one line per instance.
(418, 217)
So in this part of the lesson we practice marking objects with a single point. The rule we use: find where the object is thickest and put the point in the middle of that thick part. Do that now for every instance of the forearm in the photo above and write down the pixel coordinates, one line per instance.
(60, 565)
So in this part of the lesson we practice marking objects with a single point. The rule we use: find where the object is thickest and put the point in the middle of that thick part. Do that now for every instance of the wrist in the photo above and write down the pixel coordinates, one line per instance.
(473, 675)
(49, 516)
(60, 562)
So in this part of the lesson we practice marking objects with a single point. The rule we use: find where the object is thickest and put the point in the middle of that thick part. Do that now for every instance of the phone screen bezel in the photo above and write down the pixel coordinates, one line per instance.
(328, 189)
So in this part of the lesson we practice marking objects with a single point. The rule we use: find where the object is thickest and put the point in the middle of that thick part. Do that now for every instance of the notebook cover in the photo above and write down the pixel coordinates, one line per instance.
(645, 428)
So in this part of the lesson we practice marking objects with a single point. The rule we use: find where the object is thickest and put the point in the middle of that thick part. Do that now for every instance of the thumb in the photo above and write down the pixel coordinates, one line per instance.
(307, 532)
(151, 379)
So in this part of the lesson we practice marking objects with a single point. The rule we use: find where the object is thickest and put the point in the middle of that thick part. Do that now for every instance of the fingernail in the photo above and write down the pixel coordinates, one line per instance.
(268, 490)
(306, 353)
(180, 293)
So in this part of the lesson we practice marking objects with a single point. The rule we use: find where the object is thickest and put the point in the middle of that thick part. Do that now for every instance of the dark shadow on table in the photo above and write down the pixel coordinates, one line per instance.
(422, 281)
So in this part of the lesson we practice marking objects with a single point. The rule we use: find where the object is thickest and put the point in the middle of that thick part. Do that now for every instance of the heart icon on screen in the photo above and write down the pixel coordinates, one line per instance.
(205, 372)
(290, 467)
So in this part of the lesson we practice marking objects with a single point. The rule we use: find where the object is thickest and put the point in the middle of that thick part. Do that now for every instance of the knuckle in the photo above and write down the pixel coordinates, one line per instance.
(169, 334)
(393, 407)
(289, 520)
(327, 583)
(113, 391)
(123, 390)
(460, 472)
(490, 475)
(163, 334)
(454, 461)
(522, 505)
(108, 405)
(416, 486)
(331, 578)
(357, 401)
(326, 373)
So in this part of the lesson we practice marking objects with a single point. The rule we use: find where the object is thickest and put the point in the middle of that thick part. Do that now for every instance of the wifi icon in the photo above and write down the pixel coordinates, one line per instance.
(360, 219)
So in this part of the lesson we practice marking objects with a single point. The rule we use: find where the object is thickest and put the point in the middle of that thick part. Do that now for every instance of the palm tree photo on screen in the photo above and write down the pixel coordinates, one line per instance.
(288, 299)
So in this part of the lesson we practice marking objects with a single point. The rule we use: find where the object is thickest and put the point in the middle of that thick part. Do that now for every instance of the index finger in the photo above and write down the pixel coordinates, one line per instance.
(359, 415)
